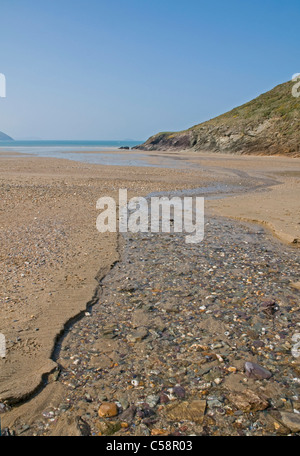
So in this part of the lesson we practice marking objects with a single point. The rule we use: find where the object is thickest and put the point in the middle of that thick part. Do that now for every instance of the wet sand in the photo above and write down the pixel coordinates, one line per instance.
(52, 254)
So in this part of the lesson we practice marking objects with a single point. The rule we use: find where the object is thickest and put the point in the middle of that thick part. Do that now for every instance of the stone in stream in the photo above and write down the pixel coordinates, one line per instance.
(256, 371)
(291, 421)
(129, 414)
(108, 331)
(140, 318)
(179, 391)
(71, 427)
(269, 307)
(107, 410)
(258, 344)
(108, 427)
(273, 424)
(213, 402)
(152, 400)
(187, 411)
(248, 401)
(101, 362)
(164, 399)
(296, 285)
(170, 307)
(138, 335)
(123, 400)
(142, 430)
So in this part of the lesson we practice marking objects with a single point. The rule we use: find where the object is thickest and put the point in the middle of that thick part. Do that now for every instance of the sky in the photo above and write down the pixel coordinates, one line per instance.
(126, 69)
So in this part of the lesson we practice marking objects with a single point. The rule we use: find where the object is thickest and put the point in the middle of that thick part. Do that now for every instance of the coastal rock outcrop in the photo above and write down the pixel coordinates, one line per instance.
(267, 125)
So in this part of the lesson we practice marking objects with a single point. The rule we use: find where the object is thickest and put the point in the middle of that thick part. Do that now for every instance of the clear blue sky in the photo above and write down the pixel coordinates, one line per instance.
(116, 69)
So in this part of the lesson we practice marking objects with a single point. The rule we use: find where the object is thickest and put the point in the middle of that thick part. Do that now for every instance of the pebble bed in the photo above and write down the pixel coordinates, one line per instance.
(163, 351)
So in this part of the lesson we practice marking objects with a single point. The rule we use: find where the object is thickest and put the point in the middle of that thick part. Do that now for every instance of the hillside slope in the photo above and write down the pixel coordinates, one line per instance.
(267, 125)
(4, 137)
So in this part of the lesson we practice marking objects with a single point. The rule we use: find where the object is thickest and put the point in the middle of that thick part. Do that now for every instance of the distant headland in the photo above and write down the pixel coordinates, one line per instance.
(4, 137)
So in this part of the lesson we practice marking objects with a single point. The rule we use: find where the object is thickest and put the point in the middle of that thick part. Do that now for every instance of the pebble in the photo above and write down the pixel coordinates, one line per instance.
(108, 410)
(138, 335)
(248, 401)
(254, 370)
(291, 420)
(152, 400)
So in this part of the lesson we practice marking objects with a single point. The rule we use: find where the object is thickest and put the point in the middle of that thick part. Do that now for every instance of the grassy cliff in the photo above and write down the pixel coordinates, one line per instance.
(267, 125)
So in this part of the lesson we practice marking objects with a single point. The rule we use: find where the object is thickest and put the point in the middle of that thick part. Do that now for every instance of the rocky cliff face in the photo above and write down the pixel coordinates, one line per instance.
(4, 137)
(267, 125)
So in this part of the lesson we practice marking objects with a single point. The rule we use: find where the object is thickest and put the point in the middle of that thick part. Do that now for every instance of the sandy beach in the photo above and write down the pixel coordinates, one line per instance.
(52, 256)
(149, 222)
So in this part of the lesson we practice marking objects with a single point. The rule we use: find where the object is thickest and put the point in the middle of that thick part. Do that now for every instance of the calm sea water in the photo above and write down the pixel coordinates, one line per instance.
(53, 147)
(83, 151)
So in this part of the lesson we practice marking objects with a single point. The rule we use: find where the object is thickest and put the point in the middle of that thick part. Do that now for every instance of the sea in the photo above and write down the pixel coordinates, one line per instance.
(93, 152)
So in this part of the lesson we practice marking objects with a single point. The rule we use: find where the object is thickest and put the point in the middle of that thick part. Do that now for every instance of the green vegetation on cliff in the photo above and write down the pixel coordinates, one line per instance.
(268, 125)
